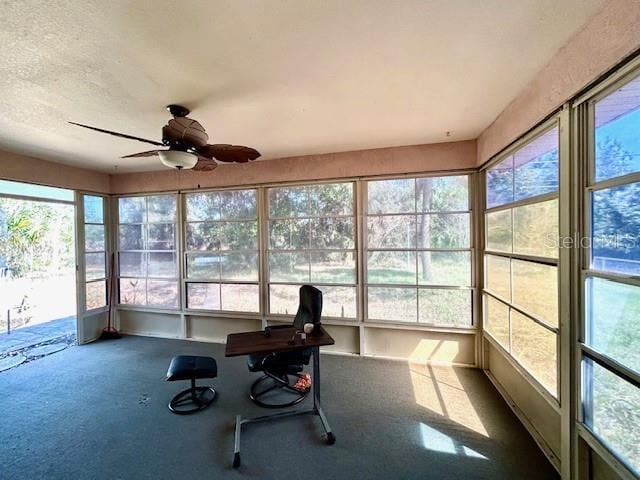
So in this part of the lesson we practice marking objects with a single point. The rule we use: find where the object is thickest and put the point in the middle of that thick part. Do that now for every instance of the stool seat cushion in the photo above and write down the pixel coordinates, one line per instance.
(186, 367)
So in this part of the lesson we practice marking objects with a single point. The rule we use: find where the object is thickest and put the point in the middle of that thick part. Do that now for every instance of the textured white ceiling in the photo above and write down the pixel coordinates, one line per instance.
(288, 77)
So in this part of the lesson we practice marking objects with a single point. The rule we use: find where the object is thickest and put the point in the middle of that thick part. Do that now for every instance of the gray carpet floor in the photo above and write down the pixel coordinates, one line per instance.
(99, 412)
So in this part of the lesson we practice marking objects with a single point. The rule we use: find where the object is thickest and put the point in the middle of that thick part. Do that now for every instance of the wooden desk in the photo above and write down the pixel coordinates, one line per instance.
(249, 343)
(257, 342)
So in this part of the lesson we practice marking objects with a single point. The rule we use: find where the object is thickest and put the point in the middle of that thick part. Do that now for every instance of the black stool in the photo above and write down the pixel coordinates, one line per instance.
(194, 399)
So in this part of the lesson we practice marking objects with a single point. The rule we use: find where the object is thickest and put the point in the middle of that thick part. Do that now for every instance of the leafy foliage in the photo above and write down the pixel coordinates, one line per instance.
(35, 236)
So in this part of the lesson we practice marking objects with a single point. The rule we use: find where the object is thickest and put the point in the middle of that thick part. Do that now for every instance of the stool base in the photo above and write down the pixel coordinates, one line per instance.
(192, 400)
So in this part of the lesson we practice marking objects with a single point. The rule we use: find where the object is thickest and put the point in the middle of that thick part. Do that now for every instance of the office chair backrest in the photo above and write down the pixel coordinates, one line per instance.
(310, 309)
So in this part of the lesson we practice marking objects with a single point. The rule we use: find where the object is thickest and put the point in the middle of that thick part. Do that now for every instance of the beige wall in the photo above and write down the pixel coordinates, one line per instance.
(382, 161)
(34, 170)
(610, 36)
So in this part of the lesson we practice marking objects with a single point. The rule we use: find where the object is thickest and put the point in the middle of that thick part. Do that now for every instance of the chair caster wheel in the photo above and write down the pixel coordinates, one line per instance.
(331, 438)
(236, 460)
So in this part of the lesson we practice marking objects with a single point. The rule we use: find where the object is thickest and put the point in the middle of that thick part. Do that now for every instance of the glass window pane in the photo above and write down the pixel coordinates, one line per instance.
(93, 209)
(392, 304)
(133, 264)
(439, 306)
(450, 230)
(284, 299)
(500, 183)
(338, 302)
(240, 298)
(161, 236)
(391, 231)
(203, 266)
(240, 267)
(94, 238)
(161, 209)
(95, 295)
(289, 234)
(203, 236)
(131, 237)
(94, 266)
(162, 293)
(32, 190)
(237, 204)
(613, 320)
(442, 194)
(496, 320)
(536, 166)
(331, 199)
(444, 268)
(202, 206)
(617, 119)
(332, 233)
(132, 210)
(162, 265)
(535, 229)
(616, 229)
(288, 267)
(612, 411)
(535, 290)
(238, 235)
(535, 348)
(498, 276)
(288, 202)
(203, 296)
(391, 267)
(333, 267)
(133, 291)
(391, 196)
(499, 233)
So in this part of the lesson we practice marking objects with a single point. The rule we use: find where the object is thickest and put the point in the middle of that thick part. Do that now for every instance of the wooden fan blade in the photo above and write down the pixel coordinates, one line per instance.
(185, 131)
(150, 153)
(229, 153)
(205, 164)
(116, 134)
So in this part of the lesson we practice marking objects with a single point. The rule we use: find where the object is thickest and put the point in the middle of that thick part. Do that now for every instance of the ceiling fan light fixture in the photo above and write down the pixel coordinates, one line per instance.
(178, 159)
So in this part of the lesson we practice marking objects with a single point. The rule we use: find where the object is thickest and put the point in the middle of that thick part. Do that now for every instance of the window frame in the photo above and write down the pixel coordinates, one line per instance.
(267, 250)
(548, 125)
(185, 280)
(177, 248)
(471, 249)
(584, 122)
(105, 251)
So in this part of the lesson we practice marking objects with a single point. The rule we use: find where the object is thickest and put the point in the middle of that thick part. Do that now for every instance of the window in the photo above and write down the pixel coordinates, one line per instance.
(611, 347)
(529, 172)
(418, 251)
(94, 252)
(37, 191)
(147, 263)
(612, 411)
(312, 240)
(521, 273)
(221, 251)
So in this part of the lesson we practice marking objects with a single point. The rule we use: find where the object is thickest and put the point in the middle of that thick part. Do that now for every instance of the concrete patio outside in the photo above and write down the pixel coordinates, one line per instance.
(28, 343)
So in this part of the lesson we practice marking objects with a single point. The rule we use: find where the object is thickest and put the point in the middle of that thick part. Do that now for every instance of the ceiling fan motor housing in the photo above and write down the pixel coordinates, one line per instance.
(178, 110)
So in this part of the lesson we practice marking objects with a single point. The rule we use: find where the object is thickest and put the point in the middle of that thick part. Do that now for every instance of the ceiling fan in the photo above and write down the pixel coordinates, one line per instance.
(187, 142)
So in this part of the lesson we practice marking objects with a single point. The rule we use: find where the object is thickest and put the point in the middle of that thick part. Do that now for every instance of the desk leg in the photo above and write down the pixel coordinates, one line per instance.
(236, 447)
(331, 438)
(316, 410)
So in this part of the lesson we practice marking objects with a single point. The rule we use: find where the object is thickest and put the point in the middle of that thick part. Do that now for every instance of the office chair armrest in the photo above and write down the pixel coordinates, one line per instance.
(267, 330)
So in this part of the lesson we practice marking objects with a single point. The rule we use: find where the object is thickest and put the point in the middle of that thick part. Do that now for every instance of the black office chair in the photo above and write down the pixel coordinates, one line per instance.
(274, 389)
